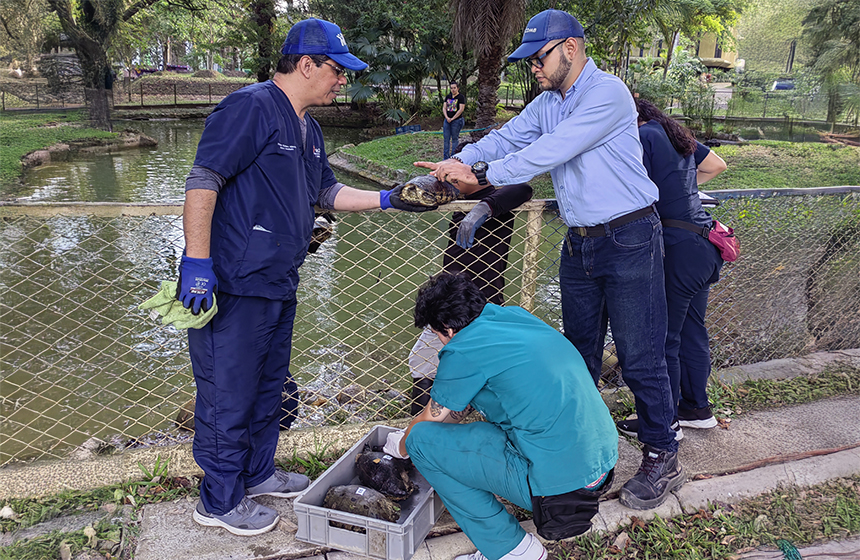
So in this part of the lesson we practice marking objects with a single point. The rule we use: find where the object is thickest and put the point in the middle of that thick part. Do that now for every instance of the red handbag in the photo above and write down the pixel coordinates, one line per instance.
(723, 238)
(720, 235)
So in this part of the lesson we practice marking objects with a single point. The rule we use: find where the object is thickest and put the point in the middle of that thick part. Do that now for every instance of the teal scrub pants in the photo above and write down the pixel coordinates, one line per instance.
(466, 464)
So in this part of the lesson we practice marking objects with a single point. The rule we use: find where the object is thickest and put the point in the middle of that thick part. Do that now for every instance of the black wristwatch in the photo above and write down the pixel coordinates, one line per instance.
(479, 168)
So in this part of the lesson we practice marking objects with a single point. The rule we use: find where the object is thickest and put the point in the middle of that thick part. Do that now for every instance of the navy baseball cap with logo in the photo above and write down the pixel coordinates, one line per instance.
(544, 27)
(317, 36)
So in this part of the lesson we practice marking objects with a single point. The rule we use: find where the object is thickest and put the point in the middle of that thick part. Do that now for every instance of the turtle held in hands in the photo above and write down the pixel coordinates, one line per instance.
(385, 473)
(363, 501)
(427, 190)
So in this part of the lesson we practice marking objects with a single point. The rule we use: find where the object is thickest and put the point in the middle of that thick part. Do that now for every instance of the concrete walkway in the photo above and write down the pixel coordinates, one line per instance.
(800, 445)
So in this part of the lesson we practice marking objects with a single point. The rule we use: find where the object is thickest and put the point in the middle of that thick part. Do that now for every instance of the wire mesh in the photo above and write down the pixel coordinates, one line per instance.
(80, 361)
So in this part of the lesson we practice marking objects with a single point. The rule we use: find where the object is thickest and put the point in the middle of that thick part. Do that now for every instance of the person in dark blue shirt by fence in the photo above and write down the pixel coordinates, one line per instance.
(678, 164)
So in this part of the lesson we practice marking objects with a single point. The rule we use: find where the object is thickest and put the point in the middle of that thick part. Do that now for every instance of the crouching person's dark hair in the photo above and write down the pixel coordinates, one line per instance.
(448, 301)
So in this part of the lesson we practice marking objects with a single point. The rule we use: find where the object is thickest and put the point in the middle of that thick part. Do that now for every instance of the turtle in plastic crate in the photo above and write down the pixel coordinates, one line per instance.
(384, 473)
(360, 500)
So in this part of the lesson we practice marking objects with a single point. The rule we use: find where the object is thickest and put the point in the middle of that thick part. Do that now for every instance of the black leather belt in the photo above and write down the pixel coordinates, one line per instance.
(601, 229)
(704, 231)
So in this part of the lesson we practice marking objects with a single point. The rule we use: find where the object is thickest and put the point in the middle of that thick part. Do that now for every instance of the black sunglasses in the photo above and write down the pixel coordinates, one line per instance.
(537, 61)
(338, 70)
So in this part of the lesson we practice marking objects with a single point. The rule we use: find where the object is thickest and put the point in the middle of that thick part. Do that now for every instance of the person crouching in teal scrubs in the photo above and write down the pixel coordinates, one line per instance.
(548, 431)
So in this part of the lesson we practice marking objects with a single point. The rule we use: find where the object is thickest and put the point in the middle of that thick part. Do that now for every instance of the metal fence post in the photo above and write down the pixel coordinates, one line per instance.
(174, 94)
(37, 95)
(210, 94)
(531, 247)
(141, 95)
(764, 110)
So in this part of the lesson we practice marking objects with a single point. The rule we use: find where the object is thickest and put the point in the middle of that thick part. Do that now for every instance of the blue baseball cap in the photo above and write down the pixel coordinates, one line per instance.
(544, 27)
(317, 36)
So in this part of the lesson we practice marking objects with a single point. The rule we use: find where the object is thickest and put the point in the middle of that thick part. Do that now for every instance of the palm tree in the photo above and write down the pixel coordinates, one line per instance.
(833, 29)
(486, 27)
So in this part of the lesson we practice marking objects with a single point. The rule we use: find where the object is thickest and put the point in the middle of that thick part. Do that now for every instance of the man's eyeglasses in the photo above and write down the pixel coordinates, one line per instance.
(537, 61)
(340, 71)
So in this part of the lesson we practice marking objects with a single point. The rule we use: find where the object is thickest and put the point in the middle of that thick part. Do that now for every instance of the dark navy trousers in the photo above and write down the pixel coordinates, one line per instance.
(620, 277)
(691, 265)
(241, 361)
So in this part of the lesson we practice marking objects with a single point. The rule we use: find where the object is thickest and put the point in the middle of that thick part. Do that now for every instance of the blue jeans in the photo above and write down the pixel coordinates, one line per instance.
(619, 278)
(240, 360)
(467, 464)
(691, 265)
(451, 136)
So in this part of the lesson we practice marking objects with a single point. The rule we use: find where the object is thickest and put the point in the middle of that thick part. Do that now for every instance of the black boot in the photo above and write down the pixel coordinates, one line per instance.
(420, 394)
(659, 474)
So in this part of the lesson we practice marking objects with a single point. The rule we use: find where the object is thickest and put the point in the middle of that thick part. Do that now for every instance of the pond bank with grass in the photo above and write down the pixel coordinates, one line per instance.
(21, 134)
(761, 164)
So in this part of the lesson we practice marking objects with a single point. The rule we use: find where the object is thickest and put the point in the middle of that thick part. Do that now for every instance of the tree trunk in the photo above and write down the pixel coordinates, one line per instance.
(264, 16)
(669, 52)
(96, 76)
(98, 105)
(489, 67)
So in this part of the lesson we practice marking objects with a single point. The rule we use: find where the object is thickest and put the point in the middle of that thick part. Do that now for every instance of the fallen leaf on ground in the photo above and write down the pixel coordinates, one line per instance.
(621, 541)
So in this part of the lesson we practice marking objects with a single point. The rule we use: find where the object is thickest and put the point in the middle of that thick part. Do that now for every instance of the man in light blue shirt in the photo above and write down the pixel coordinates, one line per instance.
(583, 130)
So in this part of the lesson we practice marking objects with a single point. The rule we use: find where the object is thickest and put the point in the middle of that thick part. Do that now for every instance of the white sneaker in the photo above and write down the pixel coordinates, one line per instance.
(531, 548)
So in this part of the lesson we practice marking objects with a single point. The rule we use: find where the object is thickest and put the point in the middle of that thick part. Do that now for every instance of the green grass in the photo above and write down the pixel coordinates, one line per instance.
(770, 164)
(798, 515)
(759, 394)
(400, 151)
(21, 134)
(172, 77)
(50, 545)
(828, 511)
(155, 486)
(762, 164)
(314, 464)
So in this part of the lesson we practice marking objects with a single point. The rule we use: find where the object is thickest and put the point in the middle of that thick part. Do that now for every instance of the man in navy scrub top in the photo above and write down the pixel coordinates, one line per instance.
(260, 169)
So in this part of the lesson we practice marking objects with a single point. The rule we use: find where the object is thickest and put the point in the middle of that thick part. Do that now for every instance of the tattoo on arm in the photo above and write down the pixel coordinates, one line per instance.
(436, 409)
(458, 416)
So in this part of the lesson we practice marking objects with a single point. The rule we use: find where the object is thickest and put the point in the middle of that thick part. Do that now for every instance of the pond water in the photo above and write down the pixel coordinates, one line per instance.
(100, 374)
(138, 175)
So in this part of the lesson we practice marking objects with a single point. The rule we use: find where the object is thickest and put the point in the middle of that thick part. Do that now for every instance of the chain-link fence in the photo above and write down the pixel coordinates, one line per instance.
(79, 360)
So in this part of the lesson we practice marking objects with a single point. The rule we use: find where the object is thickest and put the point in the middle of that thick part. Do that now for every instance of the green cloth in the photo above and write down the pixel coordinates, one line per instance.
(172, 312)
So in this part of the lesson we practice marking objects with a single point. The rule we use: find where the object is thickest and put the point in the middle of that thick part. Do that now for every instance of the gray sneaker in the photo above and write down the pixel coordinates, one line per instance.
(246, 519)
(281, 484)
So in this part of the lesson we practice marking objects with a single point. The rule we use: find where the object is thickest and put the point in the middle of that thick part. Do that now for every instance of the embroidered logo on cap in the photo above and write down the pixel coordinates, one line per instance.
(342, 40)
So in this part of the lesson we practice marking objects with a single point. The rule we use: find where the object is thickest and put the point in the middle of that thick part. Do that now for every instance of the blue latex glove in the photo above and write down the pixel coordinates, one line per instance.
(391, 199)
(197, 284)
(471, 223)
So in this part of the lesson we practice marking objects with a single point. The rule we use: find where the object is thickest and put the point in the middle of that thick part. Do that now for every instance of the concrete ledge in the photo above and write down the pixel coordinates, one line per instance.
(43, 478)
(736, 487)
(47, 477)
(789, 367)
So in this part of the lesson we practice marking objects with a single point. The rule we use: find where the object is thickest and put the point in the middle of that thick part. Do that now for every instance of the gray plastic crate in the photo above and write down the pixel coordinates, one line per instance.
(381, 539)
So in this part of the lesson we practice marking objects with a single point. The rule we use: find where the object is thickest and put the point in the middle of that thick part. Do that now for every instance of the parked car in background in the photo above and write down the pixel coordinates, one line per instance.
(783, 84)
